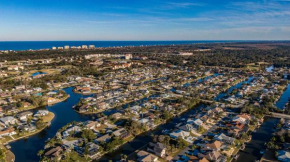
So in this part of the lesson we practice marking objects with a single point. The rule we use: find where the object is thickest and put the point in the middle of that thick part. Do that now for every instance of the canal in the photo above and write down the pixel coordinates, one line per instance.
(237, 86)
(27, 149)
(284, 98)
(252, 151)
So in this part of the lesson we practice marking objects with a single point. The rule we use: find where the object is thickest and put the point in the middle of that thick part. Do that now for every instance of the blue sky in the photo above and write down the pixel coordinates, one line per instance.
(144, 20)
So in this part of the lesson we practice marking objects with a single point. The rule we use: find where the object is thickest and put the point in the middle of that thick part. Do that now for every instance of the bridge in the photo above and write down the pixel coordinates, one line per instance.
(279, 115)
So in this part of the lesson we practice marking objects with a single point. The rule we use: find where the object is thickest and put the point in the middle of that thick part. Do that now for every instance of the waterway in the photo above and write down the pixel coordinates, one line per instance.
(237, 86)
(25, 150)
(284, 98)
(252, 151)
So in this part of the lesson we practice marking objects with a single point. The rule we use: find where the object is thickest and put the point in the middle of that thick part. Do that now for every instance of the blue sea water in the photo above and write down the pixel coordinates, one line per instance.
(36, 45)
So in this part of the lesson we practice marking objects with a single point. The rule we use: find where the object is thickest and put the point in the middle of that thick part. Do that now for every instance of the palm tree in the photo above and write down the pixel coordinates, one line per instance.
(40, 152)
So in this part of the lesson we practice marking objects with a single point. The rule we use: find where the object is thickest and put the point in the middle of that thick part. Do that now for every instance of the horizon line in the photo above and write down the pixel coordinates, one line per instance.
(142, 40)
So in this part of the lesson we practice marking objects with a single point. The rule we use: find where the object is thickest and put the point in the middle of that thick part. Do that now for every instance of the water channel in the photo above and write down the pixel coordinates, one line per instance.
(237, 86)
(25, 150)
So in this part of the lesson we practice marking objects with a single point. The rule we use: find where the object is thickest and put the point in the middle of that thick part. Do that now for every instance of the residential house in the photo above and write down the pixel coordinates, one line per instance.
(41, 113)
(93, 150)
(51, 100)
(104, 138)
(54, 153)
(8, 120)
(117, 115)
(7, 132)
(73, 129)
(24, 115)
(225, 139)
(158, 149)
(92, 124)
(144, 156)
(122, 132)
(215, 146)
(179, 133)
(213, 156)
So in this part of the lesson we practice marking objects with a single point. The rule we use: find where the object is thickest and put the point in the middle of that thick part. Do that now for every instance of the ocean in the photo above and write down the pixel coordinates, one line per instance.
(36, 45)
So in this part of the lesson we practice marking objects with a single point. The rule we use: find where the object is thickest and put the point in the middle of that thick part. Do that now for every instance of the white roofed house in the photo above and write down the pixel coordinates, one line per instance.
(225, 139)
(198, 122)
(73, 129)
(240, 120)
(92, 124)
(158, 149)
(187, 127)
(23, 116)
(15, 67)
(41, 113)
(8, 120)
(179, 133)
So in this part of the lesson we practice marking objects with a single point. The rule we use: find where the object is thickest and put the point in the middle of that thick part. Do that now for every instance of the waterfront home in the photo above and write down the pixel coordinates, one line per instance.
(211, 156)
(20, 87)
(246, 117)
(215, 146)
(84, 108)
(117, 115)
(240, 120)
(74, 129)
(92, 124)
(143, 121)
(197, 123)
(187, 127)
(7, 132)
(225, 139)
(54, 153)
(26, 127)
(41, 113)
(104, 138)
(8, 120)
(158, 149)
(68, 144)
(93, 150)
(24, 115)
(26, 104)
(51, 93)
(122, 132)
(51, 100)
(9, 109)
(179, 133)
(15, 68)
(144, 156)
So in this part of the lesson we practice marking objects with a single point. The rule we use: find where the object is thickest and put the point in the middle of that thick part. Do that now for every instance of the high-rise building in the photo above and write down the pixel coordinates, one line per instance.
(91, 46)
(128, 56)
